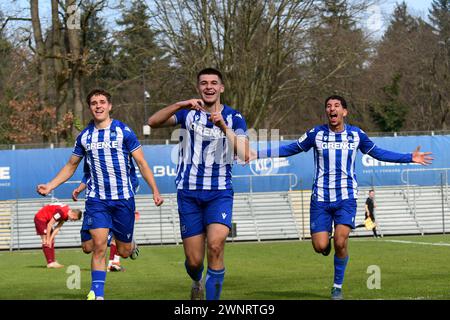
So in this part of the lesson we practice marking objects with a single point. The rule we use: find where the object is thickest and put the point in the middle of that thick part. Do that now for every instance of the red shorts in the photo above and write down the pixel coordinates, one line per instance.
(41, 226)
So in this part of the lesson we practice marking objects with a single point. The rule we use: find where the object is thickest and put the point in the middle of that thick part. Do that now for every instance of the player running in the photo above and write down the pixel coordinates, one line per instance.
(334, 191)
(212, 134)
(108, 145)
(114, 258)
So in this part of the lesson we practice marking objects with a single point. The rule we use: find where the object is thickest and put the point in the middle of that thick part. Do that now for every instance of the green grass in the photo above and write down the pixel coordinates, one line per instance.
(255, 271)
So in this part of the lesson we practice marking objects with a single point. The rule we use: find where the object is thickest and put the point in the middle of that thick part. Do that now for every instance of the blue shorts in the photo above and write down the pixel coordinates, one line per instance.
(322, 214)
(116, 215)
(199, 208)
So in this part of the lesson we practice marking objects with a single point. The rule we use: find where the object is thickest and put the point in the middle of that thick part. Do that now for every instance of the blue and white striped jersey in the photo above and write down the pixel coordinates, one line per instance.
(133, 176)
(334, 159)
(108, 156)
(205, 158)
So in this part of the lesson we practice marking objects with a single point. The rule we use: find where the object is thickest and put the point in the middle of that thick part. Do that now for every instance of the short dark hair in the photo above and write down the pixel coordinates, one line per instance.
(96, 92)
(336, 97)
(210, 71)
(78, 212)
(371, 190)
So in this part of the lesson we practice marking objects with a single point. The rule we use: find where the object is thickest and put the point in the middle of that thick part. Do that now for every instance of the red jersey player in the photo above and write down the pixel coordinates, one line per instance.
(44, 221)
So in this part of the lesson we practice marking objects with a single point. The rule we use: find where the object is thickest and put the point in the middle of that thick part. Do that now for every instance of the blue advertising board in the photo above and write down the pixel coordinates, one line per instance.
(22, 170)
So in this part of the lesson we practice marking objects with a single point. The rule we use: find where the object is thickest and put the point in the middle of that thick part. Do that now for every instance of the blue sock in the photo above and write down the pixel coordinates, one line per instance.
(195, 274)
(339, 270)
(98, 282)
(213, 283)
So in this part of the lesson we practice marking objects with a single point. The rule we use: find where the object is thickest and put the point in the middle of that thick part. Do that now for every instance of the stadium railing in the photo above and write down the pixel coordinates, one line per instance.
(257, 216)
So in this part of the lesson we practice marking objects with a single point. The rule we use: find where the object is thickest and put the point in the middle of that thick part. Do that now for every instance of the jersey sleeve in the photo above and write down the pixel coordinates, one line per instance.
(60, 212)
(78, 149)
(281, 152)
(239, 125)
(303, 144)
(130, 140)
(57, 216)
(180, 116)
(307, 140)
(367, 146)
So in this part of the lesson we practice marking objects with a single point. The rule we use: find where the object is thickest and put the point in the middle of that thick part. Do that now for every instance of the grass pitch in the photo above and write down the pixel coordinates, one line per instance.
(411, 267)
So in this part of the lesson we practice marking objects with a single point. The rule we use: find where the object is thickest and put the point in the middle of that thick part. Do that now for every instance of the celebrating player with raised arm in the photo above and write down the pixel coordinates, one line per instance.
(108, 145)
(211, 135)
(335, 190)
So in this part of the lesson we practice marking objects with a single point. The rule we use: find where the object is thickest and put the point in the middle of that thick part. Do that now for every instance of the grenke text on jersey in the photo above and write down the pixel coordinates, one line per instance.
(338, 145)
(212, 133)
(102, 145)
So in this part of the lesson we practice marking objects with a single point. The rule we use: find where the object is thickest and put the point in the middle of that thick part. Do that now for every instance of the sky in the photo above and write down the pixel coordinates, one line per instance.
(376, 19)
(378, 16)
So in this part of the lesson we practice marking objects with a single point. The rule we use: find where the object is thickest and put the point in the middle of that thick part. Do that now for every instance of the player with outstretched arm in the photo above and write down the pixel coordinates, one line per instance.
(335, 188)
(108, 145)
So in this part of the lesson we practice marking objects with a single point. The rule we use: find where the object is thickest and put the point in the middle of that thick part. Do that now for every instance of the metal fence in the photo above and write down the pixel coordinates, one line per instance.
(430, 205)
(148, 141)
(256, 217)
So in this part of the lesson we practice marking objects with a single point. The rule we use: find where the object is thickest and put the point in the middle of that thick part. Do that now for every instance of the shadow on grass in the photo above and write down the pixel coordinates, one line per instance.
(292, 295)
(45, 267)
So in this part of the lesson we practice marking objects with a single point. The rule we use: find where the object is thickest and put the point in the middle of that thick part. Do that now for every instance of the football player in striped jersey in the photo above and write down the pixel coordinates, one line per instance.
(108, 145)
(211, 135)
(334, 191)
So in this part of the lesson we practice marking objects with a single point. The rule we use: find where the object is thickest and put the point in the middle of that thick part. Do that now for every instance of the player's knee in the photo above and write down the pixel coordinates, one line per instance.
(319, 246)
(215, 249)
(194, 262)
(124, 252)
(99, 249)
(340, 244)
(86, 249)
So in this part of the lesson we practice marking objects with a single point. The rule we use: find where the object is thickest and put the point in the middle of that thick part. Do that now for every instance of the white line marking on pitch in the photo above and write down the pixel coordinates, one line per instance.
(418, 242)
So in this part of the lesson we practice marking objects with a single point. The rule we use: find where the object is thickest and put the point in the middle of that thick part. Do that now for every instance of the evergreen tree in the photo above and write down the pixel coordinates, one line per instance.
(137, 48)
(140, 67)
(390, 114)
(440, 20)
(337, 56)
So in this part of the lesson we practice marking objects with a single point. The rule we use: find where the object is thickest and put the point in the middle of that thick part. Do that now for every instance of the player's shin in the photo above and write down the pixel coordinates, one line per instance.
(340, 265)
(214, 283)
(195, 274)
(98, 282)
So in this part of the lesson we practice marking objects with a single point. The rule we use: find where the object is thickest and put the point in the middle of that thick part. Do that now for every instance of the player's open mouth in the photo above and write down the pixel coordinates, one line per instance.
(333, 116)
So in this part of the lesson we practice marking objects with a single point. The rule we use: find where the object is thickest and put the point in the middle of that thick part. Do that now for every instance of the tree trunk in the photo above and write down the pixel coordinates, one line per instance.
(76, 74)
(40, 53)
(40, 56)
(59, 64)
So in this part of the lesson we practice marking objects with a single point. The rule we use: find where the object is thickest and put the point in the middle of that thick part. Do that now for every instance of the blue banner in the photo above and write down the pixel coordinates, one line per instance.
(22, 170)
